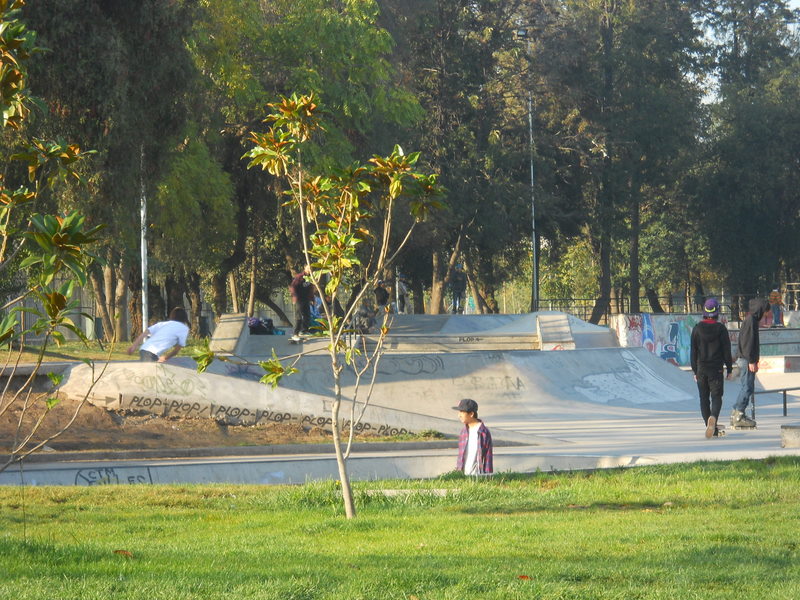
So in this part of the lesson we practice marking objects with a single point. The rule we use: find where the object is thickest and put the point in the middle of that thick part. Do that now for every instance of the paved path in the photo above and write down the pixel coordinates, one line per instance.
(596, 437)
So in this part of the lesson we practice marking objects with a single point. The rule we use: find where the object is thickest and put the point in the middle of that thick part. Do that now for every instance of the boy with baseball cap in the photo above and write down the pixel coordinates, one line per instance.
(475, 442)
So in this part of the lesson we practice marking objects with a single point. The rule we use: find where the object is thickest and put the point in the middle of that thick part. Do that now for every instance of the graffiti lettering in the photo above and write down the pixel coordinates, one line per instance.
(491, 383)
(326, 422)
(165, 406)
(167, 383)
(110, 476)
(411, 365)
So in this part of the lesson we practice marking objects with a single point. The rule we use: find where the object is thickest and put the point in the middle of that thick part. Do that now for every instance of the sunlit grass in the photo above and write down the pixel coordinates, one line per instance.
(705, 530)
(76, 351)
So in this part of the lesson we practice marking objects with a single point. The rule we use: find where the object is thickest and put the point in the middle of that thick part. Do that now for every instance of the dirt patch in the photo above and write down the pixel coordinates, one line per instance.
(96, 428)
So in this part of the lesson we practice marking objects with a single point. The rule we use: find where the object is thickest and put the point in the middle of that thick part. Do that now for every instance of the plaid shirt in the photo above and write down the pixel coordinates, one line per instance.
(484, 457)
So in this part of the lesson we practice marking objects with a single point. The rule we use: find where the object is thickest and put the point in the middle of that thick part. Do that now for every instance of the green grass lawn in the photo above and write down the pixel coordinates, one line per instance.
(94, 350)
(706, 530)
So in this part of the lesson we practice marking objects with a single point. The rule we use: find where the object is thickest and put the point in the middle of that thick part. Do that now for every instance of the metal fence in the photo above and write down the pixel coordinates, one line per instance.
(732, 306)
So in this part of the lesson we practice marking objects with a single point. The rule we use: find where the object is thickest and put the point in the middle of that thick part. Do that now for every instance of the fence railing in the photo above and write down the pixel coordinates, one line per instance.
(773, 391)
(732, 306)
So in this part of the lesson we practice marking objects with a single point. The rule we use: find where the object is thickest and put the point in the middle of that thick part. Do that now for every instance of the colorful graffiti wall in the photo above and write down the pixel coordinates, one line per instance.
(669, 336)
(666, 336)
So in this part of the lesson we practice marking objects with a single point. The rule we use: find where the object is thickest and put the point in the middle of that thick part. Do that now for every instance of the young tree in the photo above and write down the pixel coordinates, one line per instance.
(347, 220)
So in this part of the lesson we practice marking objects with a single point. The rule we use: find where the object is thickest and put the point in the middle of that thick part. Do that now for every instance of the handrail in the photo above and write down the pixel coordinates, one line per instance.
(774, 391)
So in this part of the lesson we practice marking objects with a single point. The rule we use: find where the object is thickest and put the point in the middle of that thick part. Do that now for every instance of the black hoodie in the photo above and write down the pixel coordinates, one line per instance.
(748, 332)
(711, 347)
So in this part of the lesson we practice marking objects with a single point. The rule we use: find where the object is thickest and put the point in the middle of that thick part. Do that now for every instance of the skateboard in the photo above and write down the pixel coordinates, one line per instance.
(300, 341)
(743, 427)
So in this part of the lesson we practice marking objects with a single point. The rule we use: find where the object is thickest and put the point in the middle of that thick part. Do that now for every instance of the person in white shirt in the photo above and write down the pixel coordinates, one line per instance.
(163, 340)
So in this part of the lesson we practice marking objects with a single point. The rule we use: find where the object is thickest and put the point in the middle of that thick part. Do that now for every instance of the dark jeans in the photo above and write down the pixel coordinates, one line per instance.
(302, 316)
(145, 356)
(710, 385)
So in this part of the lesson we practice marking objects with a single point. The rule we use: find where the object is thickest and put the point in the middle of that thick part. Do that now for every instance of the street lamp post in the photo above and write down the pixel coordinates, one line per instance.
(143, 232)
(523, 34)
(534, 241)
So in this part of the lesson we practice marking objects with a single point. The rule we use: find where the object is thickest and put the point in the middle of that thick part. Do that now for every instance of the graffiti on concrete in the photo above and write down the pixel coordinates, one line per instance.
(411, 365)
(666, 336)
(112, 475)
(327, 423)
(496, 383)
(163, 382)
(174, 407)
(633, 384)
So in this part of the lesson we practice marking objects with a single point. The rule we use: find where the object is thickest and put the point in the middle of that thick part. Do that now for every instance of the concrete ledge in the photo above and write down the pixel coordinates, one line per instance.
(232, 451)
(790, 435)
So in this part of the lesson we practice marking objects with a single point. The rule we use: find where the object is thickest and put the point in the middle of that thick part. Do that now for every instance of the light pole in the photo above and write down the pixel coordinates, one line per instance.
(534, 241)
(523, 34)
(143, 239)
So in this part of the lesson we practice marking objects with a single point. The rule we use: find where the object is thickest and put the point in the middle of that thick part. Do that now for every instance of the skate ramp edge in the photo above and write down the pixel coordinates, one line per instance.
(280, 470)
(175, 391)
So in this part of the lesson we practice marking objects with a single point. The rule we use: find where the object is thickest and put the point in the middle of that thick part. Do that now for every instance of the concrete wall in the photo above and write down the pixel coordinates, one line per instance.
(668, 336)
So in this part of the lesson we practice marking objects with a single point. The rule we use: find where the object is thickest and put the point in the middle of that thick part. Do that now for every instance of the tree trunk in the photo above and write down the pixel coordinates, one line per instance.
(606, 195)
(480, 304)
(120, 297)
(418, 296)
(195, 302)
(234, 292)
(276, 309)
(251, 299)
(652, 299)
(635, 218)
(135, 303)
(100, 301)
(437, 287)
(109, 293)
(219, 294)
(601, 306)
(341, 463)
(174, 288)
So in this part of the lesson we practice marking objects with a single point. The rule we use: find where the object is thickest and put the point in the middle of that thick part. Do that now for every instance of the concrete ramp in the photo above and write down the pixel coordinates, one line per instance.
(413, 392)
(544, 330)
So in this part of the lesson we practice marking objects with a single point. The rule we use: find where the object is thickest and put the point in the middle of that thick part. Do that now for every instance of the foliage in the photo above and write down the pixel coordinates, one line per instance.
(55, 247)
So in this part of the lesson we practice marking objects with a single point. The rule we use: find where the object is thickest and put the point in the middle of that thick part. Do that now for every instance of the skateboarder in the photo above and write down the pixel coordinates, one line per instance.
(302, 291)
(475, 443)
(749, 353)
(710, 351)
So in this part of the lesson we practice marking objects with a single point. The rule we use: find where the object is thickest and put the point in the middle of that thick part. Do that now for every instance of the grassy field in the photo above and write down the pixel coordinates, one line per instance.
(706, 530)
(94, 350)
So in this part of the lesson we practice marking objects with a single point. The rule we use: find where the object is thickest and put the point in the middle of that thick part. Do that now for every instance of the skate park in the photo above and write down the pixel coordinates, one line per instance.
(556, 392)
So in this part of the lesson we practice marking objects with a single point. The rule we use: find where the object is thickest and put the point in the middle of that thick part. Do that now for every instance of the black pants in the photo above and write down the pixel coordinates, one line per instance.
(302, 316)
(145, 356)
(710, 385)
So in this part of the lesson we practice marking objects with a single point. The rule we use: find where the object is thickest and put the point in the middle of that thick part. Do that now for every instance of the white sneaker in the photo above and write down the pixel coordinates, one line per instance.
(295, 338)
(711, 426)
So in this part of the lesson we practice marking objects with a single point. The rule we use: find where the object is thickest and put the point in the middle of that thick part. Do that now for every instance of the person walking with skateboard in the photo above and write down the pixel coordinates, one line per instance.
(710, 352)
(749, 354)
